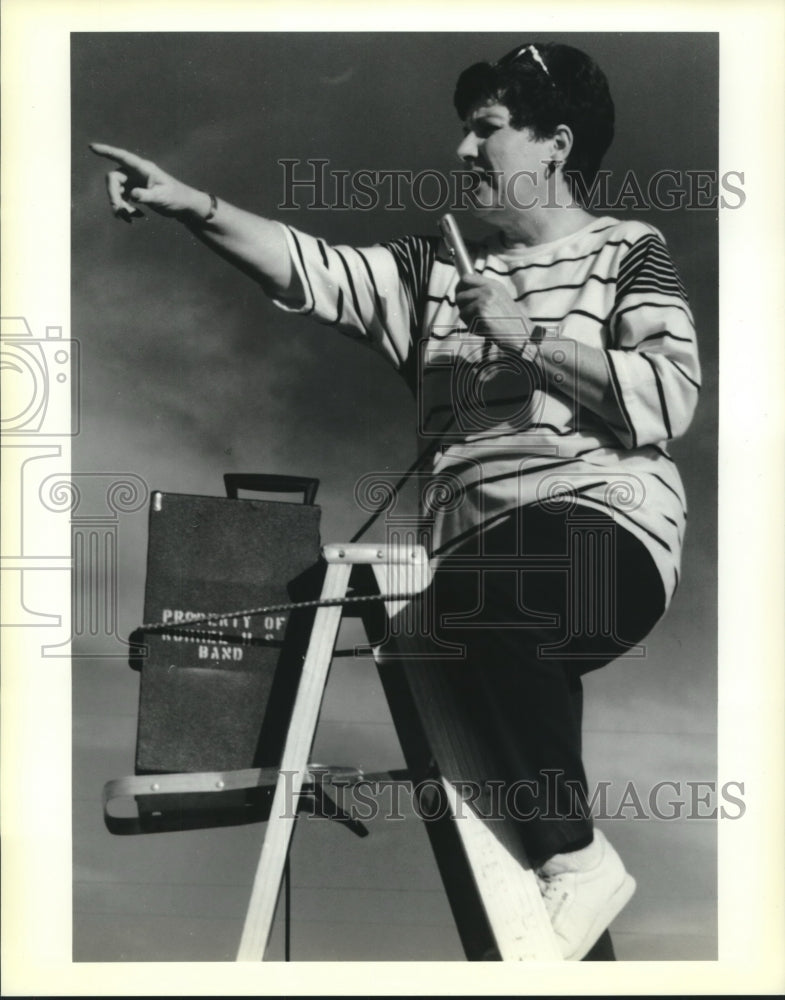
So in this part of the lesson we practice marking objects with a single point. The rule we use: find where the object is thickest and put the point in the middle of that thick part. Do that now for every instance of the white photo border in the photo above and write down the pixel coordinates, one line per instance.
(36, 773)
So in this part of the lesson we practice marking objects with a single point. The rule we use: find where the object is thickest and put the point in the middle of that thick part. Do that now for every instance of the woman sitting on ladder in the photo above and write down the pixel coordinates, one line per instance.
(567, 476)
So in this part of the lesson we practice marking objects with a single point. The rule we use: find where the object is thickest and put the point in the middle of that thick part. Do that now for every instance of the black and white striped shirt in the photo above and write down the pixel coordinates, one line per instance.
(500, 437)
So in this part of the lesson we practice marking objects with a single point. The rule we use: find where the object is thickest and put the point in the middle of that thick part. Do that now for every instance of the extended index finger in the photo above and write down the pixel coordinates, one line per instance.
(121, 156)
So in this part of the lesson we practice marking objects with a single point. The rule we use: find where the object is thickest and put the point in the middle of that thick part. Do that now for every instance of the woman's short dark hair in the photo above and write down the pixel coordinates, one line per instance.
(544, 85)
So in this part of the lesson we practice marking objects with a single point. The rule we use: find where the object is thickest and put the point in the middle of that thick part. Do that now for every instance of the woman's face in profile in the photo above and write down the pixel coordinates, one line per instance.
(510, 163)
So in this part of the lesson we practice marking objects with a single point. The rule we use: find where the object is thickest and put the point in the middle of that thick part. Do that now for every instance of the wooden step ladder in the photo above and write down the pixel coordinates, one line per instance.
(492, 890)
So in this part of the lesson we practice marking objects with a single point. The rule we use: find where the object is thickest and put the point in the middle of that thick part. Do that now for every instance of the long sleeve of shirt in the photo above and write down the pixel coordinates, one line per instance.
(653, 359)
(372, 294)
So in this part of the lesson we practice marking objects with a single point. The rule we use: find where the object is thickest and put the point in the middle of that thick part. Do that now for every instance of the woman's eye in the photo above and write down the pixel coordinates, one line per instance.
(481, 129)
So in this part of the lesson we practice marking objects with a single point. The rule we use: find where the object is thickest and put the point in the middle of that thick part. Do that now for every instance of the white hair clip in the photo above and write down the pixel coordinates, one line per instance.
(522, 51)
(536, 57)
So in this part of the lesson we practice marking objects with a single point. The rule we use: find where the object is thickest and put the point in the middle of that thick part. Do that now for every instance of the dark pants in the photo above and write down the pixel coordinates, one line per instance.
(547, 597)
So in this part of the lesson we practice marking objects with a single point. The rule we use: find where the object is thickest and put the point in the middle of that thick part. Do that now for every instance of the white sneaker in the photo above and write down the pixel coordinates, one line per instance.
(583, 892)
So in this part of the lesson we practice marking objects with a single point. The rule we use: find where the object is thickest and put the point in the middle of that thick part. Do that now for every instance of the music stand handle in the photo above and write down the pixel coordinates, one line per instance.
(261, 482)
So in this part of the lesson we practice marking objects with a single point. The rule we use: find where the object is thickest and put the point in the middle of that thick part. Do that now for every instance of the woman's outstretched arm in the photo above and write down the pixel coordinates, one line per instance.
(257, 246)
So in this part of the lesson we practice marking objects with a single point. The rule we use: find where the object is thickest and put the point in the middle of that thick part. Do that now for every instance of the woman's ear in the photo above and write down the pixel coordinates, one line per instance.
(562, 140)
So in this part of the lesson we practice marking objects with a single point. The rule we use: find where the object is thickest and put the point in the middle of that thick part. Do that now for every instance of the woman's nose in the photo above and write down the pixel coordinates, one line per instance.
(468, 148)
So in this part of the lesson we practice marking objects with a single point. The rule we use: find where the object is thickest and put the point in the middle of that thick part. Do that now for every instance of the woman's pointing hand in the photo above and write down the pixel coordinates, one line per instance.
(136, 181)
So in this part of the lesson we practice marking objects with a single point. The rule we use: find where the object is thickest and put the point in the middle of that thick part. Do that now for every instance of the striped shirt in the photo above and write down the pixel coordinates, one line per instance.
(499, 436)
